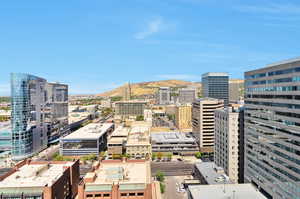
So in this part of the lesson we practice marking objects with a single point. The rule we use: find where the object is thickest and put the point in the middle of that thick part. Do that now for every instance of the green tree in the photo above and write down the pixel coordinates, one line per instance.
(160, 176)
(162, 187)
(198, 155)
(154, 155)
(116, 98)
(139, 118)
(159, 155)
(169, 156)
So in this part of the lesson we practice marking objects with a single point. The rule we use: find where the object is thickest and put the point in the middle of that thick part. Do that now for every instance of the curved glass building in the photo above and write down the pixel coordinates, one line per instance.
(29, 133)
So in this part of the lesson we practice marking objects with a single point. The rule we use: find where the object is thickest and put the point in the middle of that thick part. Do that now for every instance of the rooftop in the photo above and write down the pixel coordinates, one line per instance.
(121, 173)
(35, 175)
(139, 134)
(168, 137)
(120, 131)
(245, 191)
(215, 74)
(212, 173)
(90, 131)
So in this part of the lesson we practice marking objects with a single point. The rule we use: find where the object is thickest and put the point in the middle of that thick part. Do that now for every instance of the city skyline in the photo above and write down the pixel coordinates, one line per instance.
(106, 44)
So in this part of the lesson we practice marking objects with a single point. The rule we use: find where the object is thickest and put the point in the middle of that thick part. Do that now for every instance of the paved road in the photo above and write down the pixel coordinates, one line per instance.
(171, 188)
(172, 168)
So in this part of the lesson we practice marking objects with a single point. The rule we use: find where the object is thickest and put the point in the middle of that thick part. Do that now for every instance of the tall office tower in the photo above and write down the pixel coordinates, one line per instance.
(29, 132)
(203, 122)
(56, 111)
(164, 95)
(186, 95)
(215, 85)
(241, 145)
(272, 129)
(226, 154)
(235, 90)
(183, 117)
(126, 92)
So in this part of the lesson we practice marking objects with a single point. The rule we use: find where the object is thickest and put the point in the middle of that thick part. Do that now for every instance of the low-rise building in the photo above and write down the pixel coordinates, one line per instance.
(174, 142)
(89, 139)
(209, 173)
(41, 180)
(5, 136)
(138, 142)
(230, 191)
(116, 179)
(116, 141)
(183, 117)
(186, 95)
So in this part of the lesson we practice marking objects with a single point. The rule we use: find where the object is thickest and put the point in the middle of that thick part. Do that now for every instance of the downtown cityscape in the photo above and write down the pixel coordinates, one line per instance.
(93, 114)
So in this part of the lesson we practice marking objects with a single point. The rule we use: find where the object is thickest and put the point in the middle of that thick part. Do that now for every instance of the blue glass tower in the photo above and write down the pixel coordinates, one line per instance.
(27, 101)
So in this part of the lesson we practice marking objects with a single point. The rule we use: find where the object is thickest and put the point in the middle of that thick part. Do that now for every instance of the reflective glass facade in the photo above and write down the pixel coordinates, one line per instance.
(27, 103)
(216, 85)
(272, 129)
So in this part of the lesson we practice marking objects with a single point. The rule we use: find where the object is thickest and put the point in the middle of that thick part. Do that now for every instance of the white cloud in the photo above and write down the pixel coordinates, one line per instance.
(272, 8)
(178, 76)
(154, 26)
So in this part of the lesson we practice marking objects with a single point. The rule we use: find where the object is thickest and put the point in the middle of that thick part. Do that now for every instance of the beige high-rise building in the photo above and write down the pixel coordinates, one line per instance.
(226, 154)
(126, 92)
(183, 117)
(203, 122)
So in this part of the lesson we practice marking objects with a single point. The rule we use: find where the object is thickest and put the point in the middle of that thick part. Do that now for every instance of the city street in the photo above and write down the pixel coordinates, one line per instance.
(172, 184)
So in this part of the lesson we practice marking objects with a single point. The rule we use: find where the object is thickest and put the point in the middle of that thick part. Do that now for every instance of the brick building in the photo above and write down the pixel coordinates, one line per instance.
(117, 179)
(41, 180)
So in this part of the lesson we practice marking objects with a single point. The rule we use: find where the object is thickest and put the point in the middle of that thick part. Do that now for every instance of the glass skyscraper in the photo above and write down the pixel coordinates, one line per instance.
(272, 129)
(216, 85)
(29, 133)
(39, 114)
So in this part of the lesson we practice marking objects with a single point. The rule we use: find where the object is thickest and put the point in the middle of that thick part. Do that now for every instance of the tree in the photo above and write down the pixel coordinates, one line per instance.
(198, 155)
(159, 155)
(160, 176)
(139, 118)
(154, 155)
(162, 187)
(169, 156)
(116, 156)
(116, 98)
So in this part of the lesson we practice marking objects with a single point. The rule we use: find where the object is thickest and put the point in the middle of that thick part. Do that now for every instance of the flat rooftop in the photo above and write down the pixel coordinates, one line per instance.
(244, 191)
(90, 131)
(120, 131)
(121, 173)
(139, 135)
(171, 137)
(209, 171)
(215, 74)
(35, 175)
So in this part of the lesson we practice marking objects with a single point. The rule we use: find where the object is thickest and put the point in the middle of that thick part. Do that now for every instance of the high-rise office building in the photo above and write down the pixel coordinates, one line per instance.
(272, 126)
(56, 111)
(183, 117)
(203, 122)
(226, 153)
(126, 92)
(215, 85)
(186, 95)
(29, 131)
(164, 96)
(235, 90)
(39, 113)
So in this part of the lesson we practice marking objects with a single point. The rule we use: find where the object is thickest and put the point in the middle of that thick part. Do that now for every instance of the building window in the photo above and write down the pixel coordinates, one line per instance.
(123, 194)
(131, 194)
(106, 195)
(89, 195)
(97, 195)
(140, 194)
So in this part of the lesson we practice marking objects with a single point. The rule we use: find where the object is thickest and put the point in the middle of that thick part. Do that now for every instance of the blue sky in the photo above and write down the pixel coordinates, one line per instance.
(96, 45)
